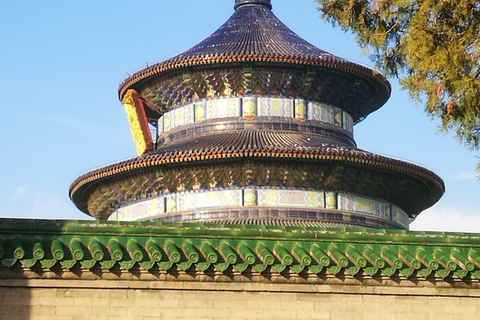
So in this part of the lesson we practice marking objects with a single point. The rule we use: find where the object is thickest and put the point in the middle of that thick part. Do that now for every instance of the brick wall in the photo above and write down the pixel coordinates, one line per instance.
(100, 300)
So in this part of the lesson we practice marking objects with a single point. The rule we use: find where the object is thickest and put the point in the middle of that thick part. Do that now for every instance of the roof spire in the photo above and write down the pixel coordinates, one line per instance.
(239, 3)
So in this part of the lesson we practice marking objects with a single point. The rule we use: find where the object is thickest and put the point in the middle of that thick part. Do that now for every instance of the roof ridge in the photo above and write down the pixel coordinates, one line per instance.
(312, 251)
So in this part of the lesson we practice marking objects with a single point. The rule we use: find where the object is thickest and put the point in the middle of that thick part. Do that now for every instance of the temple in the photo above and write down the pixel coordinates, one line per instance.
(248, 199)
(255, 125)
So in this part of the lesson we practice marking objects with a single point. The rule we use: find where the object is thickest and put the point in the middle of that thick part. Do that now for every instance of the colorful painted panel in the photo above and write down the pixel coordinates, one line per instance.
(200, 111)
(355, 203)
(399, 216)
(182, 116)
(223, 108)
(290, 198)
(388, 211)
(275, 107)
(330, 200)
(160, 125)
(212, 199)
(249, 109)
(249, 197)
(347, 122)
(167, 123)
(185, 201)
(337, 117)
(300, 109)
(320, 112)
(141, 210)
(171, 203)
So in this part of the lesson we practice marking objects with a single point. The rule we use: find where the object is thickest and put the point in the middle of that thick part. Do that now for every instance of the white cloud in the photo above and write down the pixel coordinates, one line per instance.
(18, 192)
(447, 217)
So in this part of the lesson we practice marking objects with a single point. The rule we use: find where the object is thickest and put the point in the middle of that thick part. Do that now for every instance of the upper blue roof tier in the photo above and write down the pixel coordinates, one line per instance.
(254, 38)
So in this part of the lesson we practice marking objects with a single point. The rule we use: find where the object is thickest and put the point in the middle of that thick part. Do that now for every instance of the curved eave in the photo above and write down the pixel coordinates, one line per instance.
(453, 257)
(173, 64)
(355, 157)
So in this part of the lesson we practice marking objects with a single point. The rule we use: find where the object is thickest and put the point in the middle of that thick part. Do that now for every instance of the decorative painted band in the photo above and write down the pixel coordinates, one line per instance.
(171, 203)
(250, 107)
(177, 63)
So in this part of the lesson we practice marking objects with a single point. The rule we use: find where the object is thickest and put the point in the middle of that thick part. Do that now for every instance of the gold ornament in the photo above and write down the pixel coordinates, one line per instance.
(137, 121)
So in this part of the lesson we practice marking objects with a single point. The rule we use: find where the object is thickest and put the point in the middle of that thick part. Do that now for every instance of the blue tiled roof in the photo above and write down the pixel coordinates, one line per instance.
(254, 34)
(255, 30)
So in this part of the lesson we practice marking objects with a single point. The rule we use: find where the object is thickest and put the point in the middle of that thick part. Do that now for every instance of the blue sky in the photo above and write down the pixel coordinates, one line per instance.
(61, 63)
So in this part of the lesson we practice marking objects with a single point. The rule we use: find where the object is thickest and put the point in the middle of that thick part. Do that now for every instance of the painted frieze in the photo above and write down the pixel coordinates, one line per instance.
(350, 202)
(290, 198)
(300, 109)
(347, 122)
(213, 199)
(251, 107)
(399, 216)
(223, 108)
(275, 107)
(191, 201)
(140, 210)
(250, 197)
(320, 112)
(200, 111)
(337, 117)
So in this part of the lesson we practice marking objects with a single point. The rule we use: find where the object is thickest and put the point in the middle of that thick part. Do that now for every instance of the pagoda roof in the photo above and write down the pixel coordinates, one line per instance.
(260, 145)
(231, 145)
(313, 252)
(253, 34)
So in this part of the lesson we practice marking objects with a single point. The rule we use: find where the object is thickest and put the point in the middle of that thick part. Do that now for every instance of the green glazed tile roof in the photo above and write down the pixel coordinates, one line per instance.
(51, 244)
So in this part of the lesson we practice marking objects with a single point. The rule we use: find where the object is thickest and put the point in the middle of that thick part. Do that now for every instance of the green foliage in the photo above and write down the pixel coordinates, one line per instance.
(432, 46)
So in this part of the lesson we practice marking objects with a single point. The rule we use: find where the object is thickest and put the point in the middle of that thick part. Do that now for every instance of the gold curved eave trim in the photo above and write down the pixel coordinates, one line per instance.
(163, 67)
(145, 163)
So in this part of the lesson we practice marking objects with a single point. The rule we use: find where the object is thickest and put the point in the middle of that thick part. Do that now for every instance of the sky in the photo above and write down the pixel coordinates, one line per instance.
(61, 63)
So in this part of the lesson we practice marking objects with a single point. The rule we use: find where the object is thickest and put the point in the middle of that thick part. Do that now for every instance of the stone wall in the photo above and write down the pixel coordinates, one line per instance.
(144, 300)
